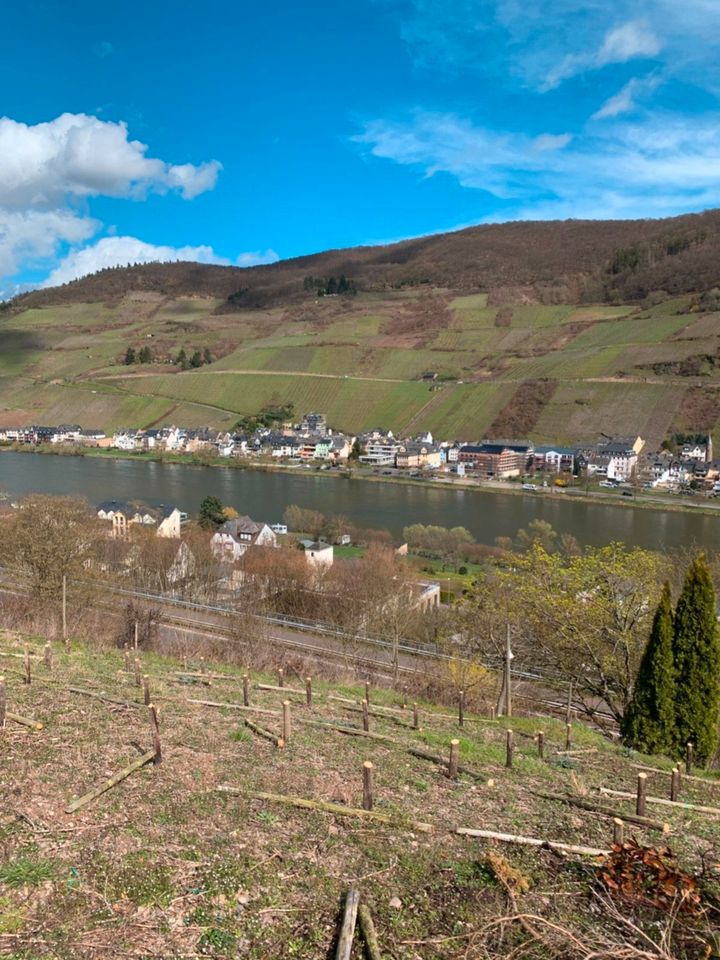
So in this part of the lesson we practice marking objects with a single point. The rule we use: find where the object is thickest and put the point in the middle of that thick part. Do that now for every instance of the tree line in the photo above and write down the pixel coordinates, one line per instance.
(147, 355)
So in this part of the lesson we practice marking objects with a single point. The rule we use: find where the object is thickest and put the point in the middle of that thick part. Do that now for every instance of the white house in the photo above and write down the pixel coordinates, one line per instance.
(234, 537)
(318, 554)
(121, 514)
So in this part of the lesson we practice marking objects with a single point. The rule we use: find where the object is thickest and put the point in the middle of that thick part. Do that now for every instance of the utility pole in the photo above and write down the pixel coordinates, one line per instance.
(64, 610)
(508, 678)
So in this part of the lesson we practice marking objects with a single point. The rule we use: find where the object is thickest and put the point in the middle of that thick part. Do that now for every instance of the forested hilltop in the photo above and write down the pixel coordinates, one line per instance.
(560, 261)
(556, 331)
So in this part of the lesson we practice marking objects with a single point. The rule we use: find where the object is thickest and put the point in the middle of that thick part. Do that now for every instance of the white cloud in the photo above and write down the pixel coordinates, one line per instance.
(629, 41)
(78, 156)
(48, 173)
(121, 251)
(257, 258)
(544, 42)
(551, 141)
(625, 100)
(657, 166)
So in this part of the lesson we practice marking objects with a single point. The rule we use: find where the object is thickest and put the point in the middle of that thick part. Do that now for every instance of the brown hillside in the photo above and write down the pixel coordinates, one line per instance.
(551, 262)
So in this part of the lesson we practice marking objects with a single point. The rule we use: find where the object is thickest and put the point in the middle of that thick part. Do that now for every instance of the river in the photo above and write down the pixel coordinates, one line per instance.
(391, 506)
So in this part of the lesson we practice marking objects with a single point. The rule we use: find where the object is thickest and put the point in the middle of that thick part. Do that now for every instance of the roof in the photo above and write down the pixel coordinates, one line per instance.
(241, 526)
(563, 451)
(159, 513)
(315, 545)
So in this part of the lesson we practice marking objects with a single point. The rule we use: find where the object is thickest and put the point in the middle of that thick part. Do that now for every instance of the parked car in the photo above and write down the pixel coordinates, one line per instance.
(529, 486)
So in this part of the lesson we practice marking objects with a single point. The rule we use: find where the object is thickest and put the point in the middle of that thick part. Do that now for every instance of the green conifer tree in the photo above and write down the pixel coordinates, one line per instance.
(696, 653)
(649, 721)
(211, 514)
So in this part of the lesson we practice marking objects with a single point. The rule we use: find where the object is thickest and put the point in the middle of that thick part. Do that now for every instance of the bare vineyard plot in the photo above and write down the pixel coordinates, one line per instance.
(194, 847)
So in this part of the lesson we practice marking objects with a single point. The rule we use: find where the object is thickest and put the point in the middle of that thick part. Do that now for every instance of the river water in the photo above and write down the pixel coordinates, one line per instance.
(391, 506)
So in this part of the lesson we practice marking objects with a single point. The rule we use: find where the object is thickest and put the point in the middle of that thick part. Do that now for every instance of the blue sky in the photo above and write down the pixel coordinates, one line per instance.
(241, 132)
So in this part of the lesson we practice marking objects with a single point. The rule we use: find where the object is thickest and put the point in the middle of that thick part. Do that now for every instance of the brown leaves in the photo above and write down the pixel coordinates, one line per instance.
(649, 875)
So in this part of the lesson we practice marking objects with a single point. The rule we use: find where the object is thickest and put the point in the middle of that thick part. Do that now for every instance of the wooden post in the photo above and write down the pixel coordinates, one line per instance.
(155, 731)
(493, 713)
(135, 635)
(640, 805)
(347, 932)
(508, 674)
(416, 717)
(3, 703)
(138, 672)
(48, 657)
(454, 759)
(688, 758)
(126, 659)
(146, 689)
(286, 721)
(27, 677)
(308, 690)
(64, 611)
(675, 784)
(509, 749)
(367, 785)
(568, 736)
(281, 677)
(541, 744)
(568, 713)
(618, 831)
(365, 716)
(461, 708)
(246, 690)
(367, 690)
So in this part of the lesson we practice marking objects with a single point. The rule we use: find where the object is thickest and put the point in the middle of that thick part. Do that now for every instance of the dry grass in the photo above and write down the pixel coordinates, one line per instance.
(165, 866)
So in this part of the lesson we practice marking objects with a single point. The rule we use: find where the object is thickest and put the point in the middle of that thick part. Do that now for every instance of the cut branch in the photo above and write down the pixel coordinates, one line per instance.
(265, 734)
(604, 811)
(336, 808)
(347, 931)
(531, 842)
(142, 761)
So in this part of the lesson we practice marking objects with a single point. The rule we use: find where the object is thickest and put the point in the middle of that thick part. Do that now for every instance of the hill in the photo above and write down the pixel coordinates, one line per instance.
(168, 864)
(559, 331)
(560, 261)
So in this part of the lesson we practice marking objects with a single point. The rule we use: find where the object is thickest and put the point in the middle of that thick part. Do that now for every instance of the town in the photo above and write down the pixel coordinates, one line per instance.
(684, 465)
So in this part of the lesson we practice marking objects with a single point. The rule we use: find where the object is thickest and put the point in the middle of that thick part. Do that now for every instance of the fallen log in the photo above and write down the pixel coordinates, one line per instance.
(350, 731)
(266, 734)
(347, 931)
(376, 706)
(709, 780)
(584, 804)
(382, 716)
(336, 808)
(112, 782)
(556, 845)
(24, 721)
(367, 928)
(442, 761)
(232, 706)
(105, 699)
(676, 804)
(274, 689)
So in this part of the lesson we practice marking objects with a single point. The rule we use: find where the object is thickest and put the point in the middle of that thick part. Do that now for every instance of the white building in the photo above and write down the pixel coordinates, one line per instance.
(234, 537)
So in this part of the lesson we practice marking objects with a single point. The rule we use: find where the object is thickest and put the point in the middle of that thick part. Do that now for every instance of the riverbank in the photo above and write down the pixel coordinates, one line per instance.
(638, 500)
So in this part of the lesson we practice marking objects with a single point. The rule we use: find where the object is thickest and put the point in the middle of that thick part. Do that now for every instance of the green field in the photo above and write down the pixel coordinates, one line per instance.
(359, 360)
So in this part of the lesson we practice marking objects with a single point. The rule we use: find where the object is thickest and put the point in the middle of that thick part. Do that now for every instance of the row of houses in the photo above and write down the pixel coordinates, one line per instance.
(313, 440)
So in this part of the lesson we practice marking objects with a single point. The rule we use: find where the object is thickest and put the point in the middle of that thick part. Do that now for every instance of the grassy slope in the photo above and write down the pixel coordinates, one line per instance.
(165, 865)
(61, 363)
